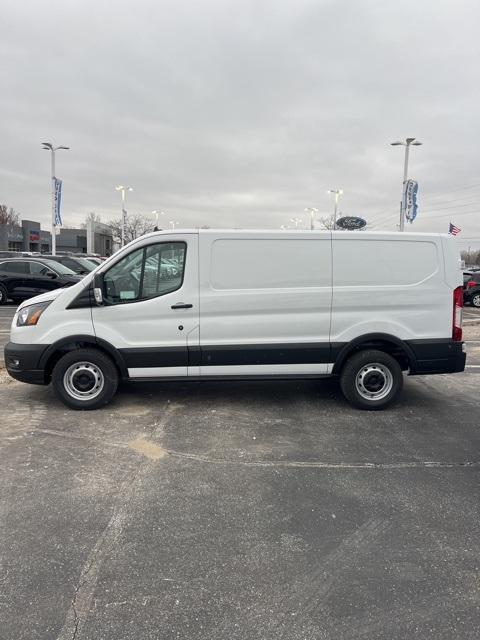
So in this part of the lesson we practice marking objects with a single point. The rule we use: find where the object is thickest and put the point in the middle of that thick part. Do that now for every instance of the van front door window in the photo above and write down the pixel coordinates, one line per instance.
(146, 273)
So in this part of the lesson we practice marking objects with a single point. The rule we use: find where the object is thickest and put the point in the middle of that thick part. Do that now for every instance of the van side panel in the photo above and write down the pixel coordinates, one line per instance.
(265, 303)
(390, 285)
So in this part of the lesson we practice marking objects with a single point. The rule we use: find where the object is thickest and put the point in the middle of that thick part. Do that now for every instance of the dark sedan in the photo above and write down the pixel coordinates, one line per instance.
(22, 278)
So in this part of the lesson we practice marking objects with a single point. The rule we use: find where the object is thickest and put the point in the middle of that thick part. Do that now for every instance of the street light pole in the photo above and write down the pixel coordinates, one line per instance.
(312, 212)
(337, 193)
(403, 204)
(48, 146)
(156, 213)
(123, 191)
(296, 221)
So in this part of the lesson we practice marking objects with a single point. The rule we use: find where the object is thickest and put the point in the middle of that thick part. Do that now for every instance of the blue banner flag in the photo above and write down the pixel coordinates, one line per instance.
(410, 200)
(57, 189)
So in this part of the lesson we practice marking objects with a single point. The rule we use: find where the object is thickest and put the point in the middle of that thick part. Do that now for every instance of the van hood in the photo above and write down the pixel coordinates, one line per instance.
(48, 296)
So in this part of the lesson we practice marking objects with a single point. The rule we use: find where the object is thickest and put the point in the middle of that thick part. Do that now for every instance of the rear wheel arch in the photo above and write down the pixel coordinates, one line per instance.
(71, 343)
(395, 347)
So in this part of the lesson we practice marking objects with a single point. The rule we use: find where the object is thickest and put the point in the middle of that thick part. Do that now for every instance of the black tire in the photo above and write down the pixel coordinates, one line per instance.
(475, 300)
(85, 379)
(3, 294)
(371, 379)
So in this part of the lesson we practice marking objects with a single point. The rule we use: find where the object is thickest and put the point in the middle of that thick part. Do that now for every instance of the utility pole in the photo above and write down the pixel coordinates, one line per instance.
(156, 213)
(403, 203)
(48, 146)
(337, 193)
(312, 211)
(122, 190)
(296, 221)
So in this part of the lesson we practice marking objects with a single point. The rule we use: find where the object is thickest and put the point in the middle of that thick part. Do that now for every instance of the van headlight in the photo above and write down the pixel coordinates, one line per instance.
(29, 316)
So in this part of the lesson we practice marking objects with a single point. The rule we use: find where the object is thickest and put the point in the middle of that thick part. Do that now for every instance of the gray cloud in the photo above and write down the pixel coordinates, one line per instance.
(242, 114)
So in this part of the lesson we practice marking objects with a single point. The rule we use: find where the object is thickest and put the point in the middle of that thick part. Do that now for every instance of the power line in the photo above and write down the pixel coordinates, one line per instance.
(458, 199)
(443, 193)
(451, 206)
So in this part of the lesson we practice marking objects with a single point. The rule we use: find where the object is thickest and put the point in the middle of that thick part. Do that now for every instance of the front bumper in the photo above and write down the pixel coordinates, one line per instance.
(22, 362)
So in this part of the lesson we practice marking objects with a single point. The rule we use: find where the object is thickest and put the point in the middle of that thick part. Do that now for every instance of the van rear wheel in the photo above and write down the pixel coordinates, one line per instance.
(371, 379)
(85, 379)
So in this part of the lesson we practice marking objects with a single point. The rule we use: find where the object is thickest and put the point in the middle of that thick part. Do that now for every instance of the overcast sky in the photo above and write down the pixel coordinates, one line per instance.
(242, 113)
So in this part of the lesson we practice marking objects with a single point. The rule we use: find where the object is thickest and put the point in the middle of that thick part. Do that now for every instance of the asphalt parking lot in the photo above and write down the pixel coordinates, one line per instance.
(242, 510)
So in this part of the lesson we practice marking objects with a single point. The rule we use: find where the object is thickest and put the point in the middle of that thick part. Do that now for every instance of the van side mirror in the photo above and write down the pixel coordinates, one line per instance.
(98, 289)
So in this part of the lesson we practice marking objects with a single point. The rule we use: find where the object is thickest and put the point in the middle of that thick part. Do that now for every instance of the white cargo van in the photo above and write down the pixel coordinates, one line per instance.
(208, 304)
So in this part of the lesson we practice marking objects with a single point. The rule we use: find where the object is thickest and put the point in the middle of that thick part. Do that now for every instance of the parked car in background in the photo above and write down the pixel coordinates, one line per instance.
(22, 278)
(471, 288)
(78, 264)
(95, 259)
(12, 254)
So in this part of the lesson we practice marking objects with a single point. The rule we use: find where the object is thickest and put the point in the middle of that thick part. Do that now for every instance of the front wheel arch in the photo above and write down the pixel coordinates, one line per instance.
(71, 343)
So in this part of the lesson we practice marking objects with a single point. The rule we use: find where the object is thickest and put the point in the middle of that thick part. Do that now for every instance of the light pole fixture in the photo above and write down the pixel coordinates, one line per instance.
(156, 213)
(312, 211)
(296, 221)
(403, 204)
(173, 224)
(123, 190)
(48, 146)
(337, 193)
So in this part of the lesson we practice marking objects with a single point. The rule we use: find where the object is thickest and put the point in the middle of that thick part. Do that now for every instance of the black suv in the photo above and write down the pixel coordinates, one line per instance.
(471, 288)
(77, 264)
(22, 278)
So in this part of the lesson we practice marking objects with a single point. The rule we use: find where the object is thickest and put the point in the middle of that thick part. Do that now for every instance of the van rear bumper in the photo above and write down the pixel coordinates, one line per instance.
(22, 362)
(437, 356)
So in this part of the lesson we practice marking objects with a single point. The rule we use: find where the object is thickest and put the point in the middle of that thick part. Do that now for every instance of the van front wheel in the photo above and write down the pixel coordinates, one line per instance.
(371, 379)
(85, 379)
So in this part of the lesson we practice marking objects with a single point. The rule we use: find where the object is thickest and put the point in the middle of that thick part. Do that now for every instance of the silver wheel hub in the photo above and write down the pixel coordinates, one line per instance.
(374, 381)
(83, 381)
(476, 300)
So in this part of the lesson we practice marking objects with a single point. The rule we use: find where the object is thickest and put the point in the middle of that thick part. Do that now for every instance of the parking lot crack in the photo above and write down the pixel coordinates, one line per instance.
(318, 464)
(109, 538)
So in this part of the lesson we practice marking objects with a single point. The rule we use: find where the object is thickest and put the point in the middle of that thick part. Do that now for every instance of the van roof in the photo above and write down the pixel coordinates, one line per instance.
(305, 233)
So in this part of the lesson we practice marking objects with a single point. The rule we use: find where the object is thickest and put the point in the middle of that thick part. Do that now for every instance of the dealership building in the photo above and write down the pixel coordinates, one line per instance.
(28, 236)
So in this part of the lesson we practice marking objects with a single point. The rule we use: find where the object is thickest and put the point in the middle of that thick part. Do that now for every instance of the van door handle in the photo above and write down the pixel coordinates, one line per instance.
(181, 305)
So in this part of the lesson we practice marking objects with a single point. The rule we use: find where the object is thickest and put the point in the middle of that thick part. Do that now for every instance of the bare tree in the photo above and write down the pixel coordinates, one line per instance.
(94, 217)
(8, 215)
(472, 258)
(328, 222)
(136, 225)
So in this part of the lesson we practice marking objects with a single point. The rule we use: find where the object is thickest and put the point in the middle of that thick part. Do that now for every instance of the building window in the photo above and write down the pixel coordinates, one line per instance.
(14, 246)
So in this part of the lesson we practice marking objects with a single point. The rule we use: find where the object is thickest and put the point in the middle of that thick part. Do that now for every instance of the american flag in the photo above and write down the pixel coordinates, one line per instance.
(454, 230)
